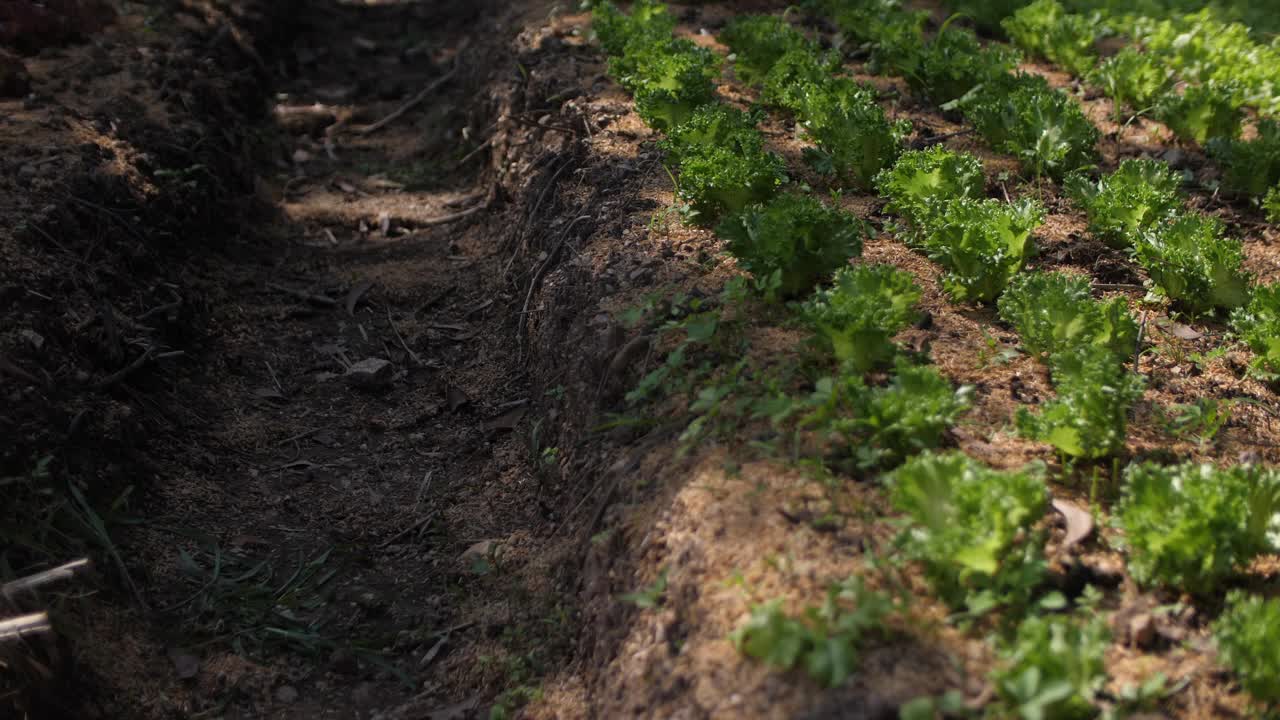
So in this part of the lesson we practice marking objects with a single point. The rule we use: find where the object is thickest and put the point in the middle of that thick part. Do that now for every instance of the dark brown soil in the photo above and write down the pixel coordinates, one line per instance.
(216, 217)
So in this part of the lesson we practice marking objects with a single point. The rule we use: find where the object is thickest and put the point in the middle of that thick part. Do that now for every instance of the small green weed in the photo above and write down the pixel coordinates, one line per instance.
(824, 640)
(651, 596)
(1199, 421)
(1053, 668)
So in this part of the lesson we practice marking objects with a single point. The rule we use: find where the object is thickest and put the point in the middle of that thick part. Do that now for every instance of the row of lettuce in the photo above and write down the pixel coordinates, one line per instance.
(1197, 74)
(1138, 209)
(975, 530)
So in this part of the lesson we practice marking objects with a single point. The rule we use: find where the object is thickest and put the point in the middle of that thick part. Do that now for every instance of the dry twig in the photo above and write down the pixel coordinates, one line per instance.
(413, 101)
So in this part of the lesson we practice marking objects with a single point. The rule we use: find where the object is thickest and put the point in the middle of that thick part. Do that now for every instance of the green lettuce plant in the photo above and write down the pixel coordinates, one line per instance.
(648, 23)
(1130, 200)
(982, 244)
(881, 425)
(1053, 669)
(1258, 324)
(1088, 418)
(1248, 637)
(1202, 112)
(1045, 128)
(758, 42)
(1055, 312)
(710, 126)
(953, 64)
(1192, 526)
(727, 177)
(972, 527)
(854, 138)
(822, 640)
(920, 184)
(857, 317)
(1133, 79)
(795, 240)
(1046, 29)
(1193, 263)
(1250, 168)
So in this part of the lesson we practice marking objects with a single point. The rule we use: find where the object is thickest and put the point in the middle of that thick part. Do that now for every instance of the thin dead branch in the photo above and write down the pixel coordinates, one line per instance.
(16, 628)
(304, 295)
(413, 101)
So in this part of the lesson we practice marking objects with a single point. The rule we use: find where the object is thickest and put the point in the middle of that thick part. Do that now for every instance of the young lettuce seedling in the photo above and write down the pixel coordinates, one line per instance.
(795, 77)
(987, 15)
(1133, 79)
(1054, 668)
(1089, 417)
(907, 416)
(668, 79)
(1046, 29)
(1202, 112)
(1250, 168)
(1043, 127)
(1248, 636)
(1271, 204)
(972, 527)
(824, 640)
(648, 23)
(1258, 324)
(881, 426)
(953, 64)
(759, 41)
(1055, 312)
(922, 181)
(727, 177)
(881, 26)
(710, 126)
(855, 140)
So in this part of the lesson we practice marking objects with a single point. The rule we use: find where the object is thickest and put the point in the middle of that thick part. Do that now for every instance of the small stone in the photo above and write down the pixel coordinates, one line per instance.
(1142, 630)
(33, 338)
(479, 551)
(370, 600)
(365, 695)
(286, 694)
(370, 373)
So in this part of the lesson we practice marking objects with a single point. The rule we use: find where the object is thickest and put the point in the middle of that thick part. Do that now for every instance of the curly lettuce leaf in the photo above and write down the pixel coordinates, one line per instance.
(1135, 197)
(857, 317)
(982, 244)
(1055, 312)
(1192, 526)
(795, 237)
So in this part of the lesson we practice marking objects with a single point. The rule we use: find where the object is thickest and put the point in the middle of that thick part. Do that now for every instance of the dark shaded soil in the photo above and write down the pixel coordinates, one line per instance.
(273, 347)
